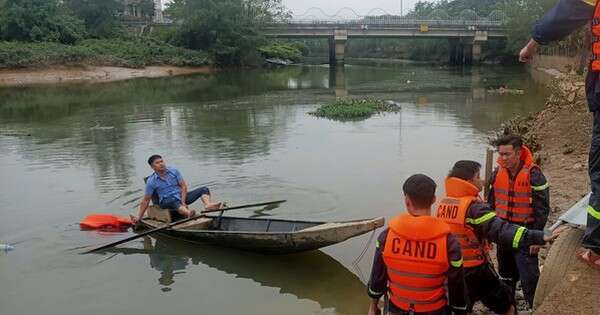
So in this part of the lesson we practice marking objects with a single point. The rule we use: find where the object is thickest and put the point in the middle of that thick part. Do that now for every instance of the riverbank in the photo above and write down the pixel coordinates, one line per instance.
(560, 135)
(89, 74)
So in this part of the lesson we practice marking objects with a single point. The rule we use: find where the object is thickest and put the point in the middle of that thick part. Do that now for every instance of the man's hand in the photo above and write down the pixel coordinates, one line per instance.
(555, 233)
(374, 308)
(534, 249)
(133, 218)
(527, 53)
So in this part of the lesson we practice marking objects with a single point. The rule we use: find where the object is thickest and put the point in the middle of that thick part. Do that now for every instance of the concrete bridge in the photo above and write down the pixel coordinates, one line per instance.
(465, 33)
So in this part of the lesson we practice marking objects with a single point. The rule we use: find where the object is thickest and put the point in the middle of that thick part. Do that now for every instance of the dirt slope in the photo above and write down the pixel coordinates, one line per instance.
(561, 134)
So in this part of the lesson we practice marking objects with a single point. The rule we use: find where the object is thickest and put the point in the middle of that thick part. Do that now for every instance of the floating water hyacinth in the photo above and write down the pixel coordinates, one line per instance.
(354, 109)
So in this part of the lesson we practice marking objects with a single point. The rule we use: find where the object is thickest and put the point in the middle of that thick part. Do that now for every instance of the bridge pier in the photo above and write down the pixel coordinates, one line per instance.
(466, 51)
(337, 47)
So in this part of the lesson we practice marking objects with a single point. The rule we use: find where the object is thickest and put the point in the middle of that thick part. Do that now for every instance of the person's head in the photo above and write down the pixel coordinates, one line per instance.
(509, 149)
(469, 171)
(419, 194)
(157, 163)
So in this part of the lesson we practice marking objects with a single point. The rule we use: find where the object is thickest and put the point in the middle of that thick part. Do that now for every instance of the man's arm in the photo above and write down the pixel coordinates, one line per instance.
(564, 18)
(557, 23)
(143, 207)
(184, 191)
(182, 186)
(457, 293)
(487, 226)
(377, 285)
(540, 195)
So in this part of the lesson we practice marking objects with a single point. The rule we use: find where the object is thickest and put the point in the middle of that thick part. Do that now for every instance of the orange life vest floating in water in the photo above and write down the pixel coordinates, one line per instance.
(595, 64)
(105, 222)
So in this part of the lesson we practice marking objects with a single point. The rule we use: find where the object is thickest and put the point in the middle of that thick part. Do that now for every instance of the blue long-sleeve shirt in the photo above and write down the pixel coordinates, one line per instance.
(564, 18)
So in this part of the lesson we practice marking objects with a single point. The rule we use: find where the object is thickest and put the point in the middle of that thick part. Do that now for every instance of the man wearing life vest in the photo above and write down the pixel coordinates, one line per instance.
(474, 223)
(418, 262)
(556, 24)
(519, 193)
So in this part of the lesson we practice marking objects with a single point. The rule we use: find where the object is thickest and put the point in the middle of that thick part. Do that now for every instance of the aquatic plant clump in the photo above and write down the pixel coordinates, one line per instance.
(354, 109)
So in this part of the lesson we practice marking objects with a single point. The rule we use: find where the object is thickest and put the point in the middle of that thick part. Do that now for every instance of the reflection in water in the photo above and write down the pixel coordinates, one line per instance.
(311, 275)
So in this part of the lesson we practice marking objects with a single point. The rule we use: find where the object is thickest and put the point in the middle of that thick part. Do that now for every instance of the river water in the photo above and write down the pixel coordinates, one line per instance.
(68, 151)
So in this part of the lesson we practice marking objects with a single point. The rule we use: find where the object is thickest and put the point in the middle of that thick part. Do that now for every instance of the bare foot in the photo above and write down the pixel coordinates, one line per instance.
(214, 206)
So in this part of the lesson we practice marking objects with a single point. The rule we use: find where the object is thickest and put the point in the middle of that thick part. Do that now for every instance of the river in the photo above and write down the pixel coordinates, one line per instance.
(71, 150)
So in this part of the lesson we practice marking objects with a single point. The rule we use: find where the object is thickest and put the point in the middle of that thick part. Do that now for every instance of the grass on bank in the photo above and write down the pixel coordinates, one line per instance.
(123, 52)
(354, 109)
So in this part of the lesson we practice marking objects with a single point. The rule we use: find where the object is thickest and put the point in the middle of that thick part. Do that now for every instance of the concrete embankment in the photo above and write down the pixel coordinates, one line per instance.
(89, 74)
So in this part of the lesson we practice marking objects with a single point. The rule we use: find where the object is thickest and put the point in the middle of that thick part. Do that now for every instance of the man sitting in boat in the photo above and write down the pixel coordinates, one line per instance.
(167, 183)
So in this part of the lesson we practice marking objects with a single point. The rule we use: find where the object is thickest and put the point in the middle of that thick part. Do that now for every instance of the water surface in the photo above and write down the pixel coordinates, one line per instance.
(68, 151)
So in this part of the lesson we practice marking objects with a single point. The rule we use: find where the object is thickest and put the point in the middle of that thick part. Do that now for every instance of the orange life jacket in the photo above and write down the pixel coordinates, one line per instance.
(453, 209)
(105, 222)
(595, 63)
(513, 196)
(416, 258)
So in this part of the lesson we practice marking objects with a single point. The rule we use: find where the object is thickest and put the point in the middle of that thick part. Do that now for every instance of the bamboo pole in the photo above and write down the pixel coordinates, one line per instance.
(489, 163)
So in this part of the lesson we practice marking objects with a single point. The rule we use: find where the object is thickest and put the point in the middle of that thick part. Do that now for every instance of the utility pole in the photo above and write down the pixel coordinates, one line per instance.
(401, 8)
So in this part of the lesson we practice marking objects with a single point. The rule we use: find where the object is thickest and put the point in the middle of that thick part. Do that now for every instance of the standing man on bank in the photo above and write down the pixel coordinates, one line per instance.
(520, 195)
(560, 21)
(415, 257)
(168, 185)
(474, 223)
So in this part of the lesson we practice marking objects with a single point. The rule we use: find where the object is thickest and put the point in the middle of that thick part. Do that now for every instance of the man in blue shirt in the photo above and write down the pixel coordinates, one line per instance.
(564, 18)
(168, 185)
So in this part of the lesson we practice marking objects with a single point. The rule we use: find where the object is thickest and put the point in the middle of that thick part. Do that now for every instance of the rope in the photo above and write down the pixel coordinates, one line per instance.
(361, 255)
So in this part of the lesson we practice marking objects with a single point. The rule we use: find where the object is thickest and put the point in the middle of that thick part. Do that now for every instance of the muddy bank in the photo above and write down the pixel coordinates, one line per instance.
(89, 74)
(560, 135)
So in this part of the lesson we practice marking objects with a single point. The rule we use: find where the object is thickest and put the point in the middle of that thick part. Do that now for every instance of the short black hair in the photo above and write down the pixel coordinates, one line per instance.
(510, 139)
(421, 190)
(464, 169)
(153, 158)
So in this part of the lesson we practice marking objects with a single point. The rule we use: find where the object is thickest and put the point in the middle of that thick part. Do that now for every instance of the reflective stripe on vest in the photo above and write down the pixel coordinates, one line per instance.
(454, 212)
(514, 196)
(416, 258)
(595, 26)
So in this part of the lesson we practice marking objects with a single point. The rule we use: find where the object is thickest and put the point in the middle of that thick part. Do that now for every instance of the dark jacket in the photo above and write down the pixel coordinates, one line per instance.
(541, 198)
(564, 18)
(456, 286)
(488, 226)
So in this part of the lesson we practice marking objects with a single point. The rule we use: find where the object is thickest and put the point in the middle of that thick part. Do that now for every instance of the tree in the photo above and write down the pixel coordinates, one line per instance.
(228, 28)
(39, 20)
(99, 15)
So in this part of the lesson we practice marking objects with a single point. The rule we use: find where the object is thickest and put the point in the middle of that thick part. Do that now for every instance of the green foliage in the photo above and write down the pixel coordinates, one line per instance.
(227, 28)
(354, 109)
(99, 16)
(39, 21)
(115, 52)
(282, 50)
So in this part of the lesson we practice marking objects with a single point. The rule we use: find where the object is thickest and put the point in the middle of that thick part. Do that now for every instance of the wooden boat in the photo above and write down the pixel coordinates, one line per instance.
(272, 236)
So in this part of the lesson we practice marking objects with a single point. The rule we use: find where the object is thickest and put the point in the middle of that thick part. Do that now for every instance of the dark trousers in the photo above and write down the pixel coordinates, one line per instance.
(591, 239)
(172, 203)
(515, 265)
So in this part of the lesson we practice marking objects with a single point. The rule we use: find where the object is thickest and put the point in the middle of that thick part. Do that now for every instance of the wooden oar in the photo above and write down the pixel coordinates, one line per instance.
(170, 225)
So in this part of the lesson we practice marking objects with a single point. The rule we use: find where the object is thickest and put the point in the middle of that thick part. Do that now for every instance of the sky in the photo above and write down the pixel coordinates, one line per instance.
(298, 7)
(362, 7)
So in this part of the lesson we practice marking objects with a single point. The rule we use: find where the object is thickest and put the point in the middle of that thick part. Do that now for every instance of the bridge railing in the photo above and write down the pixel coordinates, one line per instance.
(397, 22)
